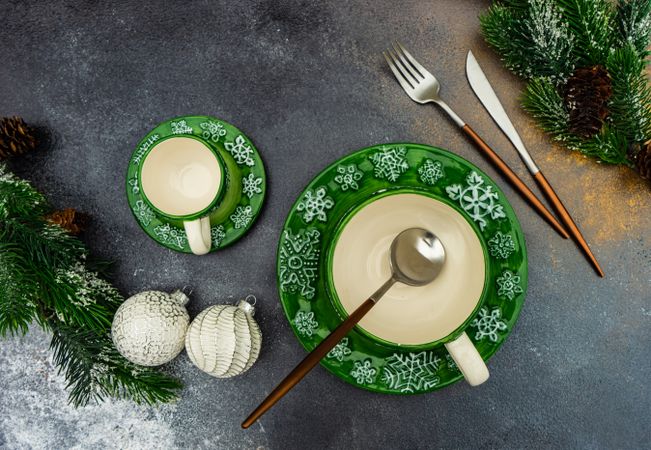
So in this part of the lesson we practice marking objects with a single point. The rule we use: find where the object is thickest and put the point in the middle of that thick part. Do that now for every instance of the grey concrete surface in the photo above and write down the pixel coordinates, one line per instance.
(306, 81)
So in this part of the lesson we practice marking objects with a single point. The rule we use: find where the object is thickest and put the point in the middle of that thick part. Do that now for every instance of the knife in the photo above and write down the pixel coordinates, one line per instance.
(484, 91)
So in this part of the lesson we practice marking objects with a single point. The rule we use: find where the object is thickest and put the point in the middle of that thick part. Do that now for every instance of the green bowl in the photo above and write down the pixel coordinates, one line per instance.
(332, 198)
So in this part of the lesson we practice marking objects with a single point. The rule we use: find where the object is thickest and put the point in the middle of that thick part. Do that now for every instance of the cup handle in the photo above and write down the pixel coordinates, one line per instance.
(198, 232)
(469, 361)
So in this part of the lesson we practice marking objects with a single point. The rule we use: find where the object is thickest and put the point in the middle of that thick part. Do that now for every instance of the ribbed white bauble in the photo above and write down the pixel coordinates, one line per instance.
(149, 328)
(224, 340)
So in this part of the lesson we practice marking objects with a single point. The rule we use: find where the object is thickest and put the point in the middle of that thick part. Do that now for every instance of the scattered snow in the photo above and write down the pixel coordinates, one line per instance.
(34, 410)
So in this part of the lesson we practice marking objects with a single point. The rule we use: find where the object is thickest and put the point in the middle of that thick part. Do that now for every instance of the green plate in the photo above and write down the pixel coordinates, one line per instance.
(242, 201)
(311, 230)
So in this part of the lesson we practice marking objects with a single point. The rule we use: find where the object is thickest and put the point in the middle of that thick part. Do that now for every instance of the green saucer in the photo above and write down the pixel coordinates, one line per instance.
(312, 227)
(242, 201)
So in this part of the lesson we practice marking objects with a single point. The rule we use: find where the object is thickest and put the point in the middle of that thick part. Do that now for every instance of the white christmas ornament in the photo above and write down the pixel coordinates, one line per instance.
(149, 328)
(224, 340)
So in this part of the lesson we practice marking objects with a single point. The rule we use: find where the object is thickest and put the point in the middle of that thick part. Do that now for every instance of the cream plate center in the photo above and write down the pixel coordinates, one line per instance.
(408, 315)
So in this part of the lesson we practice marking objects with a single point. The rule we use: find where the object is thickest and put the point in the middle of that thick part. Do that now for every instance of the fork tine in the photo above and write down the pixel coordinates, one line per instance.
(409, 67)
(423, 71)
(404, 70)
(399, 76)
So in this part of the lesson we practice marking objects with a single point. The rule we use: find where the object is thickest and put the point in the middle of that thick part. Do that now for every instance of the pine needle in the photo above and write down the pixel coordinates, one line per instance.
(45, 277)
(544, 41)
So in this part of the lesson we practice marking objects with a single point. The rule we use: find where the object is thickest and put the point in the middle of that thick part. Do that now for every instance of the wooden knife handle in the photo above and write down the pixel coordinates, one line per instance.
(311, 360)
(568, 221)
(515, 181)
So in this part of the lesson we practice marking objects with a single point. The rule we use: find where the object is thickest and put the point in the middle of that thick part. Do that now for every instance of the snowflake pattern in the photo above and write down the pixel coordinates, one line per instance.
(144, 213)
(212, 131)
(133, 182)
(363, 372)
(411, 372)
(452, 365)
(488, 324)
(217, 235)
(348, 176)
(478, 199)
(315, 203)
(501, 245)
(171, 236)
(298, 261)
(340, 351)
(305, 323)
(389, 163)
(241, 152)
(251, 185)
(181, 127)
(430, 171)
(143, 148)
(242, 216)
(508, 285)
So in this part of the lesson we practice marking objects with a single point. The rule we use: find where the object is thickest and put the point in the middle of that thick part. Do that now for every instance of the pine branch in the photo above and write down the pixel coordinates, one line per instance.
(48, 245)
(610, 146)
(542, 100)
(95, 370)
(633, 23)
(590, 23)
(17, 307)
(630, 103)
(18, 198)
(515, 5)
(45, 276)
(79, 297)
(533, 42)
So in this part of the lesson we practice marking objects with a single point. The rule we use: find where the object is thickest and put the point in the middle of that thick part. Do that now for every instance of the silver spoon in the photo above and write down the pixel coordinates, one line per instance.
(416, 258)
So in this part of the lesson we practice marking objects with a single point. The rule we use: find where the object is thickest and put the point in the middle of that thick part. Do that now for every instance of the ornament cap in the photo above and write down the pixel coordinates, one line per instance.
(246, 305)
(180, 297)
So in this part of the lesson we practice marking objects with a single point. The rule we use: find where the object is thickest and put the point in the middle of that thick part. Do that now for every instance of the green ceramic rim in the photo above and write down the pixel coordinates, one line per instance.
(306, 240)
(218, 195)
(342, 311)
(243, 195)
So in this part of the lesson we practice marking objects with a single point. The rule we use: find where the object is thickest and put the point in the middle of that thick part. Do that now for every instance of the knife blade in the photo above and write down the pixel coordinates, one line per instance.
(484, 91)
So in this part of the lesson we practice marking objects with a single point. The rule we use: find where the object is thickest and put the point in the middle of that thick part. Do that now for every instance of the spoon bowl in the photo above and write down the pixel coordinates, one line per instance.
(417, 257)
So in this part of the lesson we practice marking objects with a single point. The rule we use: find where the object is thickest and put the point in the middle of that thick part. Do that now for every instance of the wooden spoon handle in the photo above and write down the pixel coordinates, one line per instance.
(311, 360)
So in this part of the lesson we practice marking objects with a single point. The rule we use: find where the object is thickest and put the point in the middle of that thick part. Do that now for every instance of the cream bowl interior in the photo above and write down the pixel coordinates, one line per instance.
(408, 315)
(181, 176)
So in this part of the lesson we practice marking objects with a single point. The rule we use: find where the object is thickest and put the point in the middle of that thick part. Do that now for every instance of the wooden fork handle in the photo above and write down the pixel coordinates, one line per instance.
(311, 360)
(515, 181)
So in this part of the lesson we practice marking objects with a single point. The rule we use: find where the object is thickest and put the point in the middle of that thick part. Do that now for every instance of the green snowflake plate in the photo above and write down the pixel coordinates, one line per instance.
(242, 201)
(312, 227)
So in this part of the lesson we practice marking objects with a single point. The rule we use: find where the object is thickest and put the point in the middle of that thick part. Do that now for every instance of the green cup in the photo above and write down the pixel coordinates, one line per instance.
(183, 178)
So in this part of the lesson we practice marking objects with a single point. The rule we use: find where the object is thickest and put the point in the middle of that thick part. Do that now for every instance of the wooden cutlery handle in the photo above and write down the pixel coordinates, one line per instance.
(567, 220)
(311, 360)
(515, 181)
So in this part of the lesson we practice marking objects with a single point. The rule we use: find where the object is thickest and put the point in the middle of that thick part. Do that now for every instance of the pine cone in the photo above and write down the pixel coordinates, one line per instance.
(69, 219)
(15, 137)
(586, 98)
(641, 156)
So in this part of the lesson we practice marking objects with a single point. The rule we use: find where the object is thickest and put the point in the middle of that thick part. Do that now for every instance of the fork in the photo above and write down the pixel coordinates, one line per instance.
(422, 87)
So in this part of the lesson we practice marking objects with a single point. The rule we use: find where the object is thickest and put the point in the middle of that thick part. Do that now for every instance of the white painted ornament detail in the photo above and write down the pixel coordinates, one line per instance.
(477, 198)
(411, 372)
(224, 340)
(149, 328)
(241, 151)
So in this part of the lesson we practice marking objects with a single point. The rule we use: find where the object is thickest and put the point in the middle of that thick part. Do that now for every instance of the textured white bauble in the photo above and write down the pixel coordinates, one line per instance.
(224, 340)
(149, 328)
